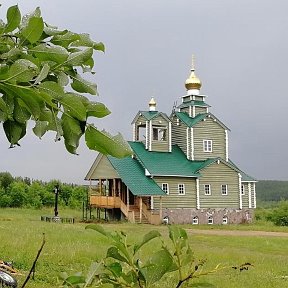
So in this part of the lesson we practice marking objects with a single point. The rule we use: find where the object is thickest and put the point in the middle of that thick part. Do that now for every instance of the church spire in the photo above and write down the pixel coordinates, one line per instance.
(193, 83)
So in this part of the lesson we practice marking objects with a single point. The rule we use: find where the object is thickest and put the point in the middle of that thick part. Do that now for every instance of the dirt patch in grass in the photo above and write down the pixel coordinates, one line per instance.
(237, 233)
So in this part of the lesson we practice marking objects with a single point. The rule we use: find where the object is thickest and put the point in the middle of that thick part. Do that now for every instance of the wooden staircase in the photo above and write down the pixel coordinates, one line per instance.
(135, 209)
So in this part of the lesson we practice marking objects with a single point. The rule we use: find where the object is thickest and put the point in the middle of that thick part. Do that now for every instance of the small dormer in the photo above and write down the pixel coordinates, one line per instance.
(153, 129)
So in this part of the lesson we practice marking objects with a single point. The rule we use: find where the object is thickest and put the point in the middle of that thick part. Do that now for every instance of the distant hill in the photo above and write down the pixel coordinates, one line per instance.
(272, 190)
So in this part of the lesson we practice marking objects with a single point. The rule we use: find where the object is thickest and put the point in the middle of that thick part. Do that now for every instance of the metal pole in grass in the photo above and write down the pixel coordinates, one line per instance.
(56, 218)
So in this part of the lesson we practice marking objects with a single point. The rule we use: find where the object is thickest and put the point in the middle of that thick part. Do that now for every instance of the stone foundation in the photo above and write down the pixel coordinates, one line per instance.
(203, 216)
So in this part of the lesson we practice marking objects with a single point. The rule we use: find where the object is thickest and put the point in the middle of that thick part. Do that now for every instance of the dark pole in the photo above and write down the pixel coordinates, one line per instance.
(56, 191)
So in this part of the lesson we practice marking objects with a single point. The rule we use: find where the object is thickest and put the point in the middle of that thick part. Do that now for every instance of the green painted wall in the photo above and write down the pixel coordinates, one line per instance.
(209, 130)
(179, 134)
(160, 145)
(104, 170)
(216, 175)
(174, 200)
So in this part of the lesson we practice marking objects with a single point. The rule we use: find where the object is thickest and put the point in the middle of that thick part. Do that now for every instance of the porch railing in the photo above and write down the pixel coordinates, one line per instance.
(105, 201)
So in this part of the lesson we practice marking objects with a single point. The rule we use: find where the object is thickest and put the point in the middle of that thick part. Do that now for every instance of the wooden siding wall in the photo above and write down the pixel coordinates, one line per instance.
(199, 110)
(174, 200)
(217, 175)
(179, 135)
(209, 130)
(186, 109)
(245, 197)
(104, 170)
(199, 98)
(161, 146)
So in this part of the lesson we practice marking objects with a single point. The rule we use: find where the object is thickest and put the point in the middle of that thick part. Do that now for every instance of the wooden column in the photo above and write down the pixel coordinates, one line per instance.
(160, 212)
(114, 188)
(140, 205)
(127, 193)
(100, 186)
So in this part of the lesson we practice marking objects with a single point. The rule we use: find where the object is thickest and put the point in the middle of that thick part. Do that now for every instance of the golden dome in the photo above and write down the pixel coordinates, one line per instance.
(193, 82)
(152, 102)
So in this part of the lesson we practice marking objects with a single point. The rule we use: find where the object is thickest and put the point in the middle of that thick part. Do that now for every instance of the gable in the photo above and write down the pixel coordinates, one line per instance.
(101, 169)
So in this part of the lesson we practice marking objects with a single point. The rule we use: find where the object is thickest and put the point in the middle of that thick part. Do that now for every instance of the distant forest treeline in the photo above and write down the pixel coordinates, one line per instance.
(23, 192)
(272, 190)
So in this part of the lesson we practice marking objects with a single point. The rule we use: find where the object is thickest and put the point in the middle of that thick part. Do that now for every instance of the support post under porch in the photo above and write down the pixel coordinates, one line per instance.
(141, 207)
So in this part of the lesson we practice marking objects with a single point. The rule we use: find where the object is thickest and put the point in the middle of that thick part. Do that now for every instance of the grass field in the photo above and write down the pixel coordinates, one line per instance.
(71, 248)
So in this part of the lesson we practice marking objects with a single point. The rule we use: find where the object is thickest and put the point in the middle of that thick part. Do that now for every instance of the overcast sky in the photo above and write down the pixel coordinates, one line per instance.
(241, 51)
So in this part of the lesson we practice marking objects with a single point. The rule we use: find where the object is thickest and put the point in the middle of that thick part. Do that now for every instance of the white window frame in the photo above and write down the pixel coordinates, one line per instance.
(207, 146)
(181, 189)
(166, 190)
(210, 220)
(242, 189)
(224, 192)
(195, 220)
(225, 220)
(209, 189)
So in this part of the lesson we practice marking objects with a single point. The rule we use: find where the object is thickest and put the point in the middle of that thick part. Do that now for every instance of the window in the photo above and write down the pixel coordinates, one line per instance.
(165, 188)
(224, 189)
(181, 189)
(207, 145)
(159, 134)
(210, 220)
(195, 220)
(225, 220)
(207, 189)
(242, 189)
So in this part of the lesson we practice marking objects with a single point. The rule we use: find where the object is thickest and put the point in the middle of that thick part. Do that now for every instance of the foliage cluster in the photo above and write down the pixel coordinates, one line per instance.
(277, 215)
(22, 192)
(41, 80)
(123, 265)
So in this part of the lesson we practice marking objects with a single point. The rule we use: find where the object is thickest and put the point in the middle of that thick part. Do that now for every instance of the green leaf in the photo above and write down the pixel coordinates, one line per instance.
(13, 18)
(157, 266)
(72, 132)
(54, 53)
(99, 46)
(99, 229)
(43, 74)
(97, 109)
(84, 40)
(78, 58)
(14, 131)
(31, 99)
(53, 89)
(12, 54)
(74, 106)
(55, 125)
(115, 268)
(83, 86)
(72, 280)
(3, 106)
(113, 252)
(21, 114)
(40, 128)
(147, 237)
(106, 144)
(34, 29)
(22, 70)
(95, 269)
(63, 79)
(65, 39)
(202, 285)
(4, 71)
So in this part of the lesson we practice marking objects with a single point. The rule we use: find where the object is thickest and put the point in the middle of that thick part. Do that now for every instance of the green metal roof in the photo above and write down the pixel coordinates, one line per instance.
(148, 115)
(244, 177)
(172, 163)
(193, 103)
(189, 121)
(133, 175)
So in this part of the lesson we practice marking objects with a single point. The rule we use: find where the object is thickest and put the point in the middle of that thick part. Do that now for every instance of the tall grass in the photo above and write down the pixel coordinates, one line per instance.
(71, 248)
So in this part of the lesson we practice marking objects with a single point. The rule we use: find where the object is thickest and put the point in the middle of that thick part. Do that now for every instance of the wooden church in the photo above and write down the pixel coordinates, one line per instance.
(180, 170)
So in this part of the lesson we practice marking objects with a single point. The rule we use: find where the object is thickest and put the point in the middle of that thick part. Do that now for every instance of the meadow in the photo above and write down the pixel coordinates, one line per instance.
(71, 248)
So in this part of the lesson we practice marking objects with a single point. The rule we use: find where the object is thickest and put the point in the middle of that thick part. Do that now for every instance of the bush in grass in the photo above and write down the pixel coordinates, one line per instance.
(279, 216)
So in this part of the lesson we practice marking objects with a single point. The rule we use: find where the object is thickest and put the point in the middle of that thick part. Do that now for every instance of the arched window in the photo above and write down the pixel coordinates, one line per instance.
(225, 220)
(210, 220)
(195, 220)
